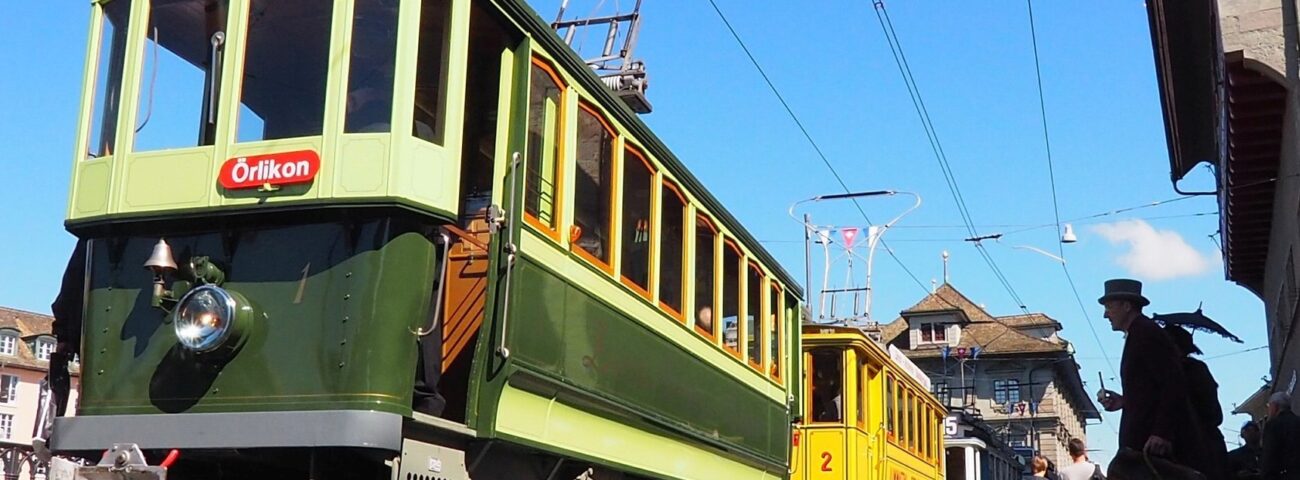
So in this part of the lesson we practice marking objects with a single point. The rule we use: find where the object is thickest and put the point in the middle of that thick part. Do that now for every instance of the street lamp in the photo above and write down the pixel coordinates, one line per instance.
(874, 234)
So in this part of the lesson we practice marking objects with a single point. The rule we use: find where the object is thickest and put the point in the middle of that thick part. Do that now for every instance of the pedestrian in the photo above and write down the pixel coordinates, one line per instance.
(1281, 458)
(1243, 463)
(1081, 468)
(1038, 466)
(1157, 418)
(1203, 393)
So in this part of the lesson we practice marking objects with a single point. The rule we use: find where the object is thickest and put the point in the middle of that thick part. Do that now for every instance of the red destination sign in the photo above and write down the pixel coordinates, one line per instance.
(272, 169)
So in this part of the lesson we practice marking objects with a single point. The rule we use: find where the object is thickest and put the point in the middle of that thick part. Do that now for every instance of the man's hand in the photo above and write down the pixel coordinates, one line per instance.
(1157, 446)
(1109, 400)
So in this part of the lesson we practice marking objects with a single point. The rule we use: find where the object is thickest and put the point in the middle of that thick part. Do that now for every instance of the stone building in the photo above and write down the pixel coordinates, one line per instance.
(1016, 371)
(25, 347)
(1226, 70)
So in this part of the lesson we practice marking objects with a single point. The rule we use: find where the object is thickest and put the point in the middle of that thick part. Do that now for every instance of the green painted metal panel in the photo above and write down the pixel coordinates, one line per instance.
(338, 301)
(558, 330)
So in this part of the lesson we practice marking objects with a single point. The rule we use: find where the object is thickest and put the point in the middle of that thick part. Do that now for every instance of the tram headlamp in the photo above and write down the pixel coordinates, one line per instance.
(209, 317)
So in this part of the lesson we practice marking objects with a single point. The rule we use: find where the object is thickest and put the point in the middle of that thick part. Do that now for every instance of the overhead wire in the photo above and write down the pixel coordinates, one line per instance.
(918, 103)
(1051, 175)
(808, 136)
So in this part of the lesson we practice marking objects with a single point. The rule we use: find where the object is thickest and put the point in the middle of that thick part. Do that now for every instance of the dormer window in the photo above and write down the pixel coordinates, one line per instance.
(44, 347)
(934, 333)
(8, 342)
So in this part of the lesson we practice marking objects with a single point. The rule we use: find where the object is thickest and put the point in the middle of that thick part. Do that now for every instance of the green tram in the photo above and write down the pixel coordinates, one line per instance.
(340, 204)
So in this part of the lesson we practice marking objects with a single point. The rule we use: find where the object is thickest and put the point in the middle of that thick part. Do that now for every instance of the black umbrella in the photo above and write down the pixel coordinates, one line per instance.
(1195, 321)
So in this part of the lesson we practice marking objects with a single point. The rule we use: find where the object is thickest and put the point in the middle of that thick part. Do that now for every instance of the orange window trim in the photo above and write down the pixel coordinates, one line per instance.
(608, 268)
(654, 200)
(726, 242)
(682, 287)
(713, 336)
(554, 231)
(778, 317)
(759, 322)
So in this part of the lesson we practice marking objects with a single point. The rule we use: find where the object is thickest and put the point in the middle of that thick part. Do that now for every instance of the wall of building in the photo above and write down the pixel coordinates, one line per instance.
(1057, 419)
(1260, 31)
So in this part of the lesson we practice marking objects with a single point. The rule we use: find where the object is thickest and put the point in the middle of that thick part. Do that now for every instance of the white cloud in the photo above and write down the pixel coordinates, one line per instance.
(1155, 254)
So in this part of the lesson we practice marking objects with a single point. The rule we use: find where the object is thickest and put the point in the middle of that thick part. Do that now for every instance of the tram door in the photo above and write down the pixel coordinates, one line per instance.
(824, 437)
(466, 289)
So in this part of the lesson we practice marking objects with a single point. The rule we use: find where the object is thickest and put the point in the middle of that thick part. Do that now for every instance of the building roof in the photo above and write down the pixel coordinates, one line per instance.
(1225, 110)
(29, 325)
(993, 335)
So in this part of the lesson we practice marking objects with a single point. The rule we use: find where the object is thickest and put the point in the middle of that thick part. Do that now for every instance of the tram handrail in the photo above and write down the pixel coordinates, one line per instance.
(442, 287)
(517, 162)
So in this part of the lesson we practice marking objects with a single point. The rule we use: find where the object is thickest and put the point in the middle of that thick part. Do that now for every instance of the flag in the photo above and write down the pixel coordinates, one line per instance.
(849, 234)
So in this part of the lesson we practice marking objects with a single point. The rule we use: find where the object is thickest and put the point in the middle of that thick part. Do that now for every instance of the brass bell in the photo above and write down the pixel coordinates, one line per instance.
(161, 261)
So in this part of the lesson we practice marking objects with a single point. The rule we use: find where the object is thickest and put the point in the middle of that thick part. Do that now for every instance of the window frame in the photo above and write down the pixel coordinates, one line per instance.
(759, 317)
(718, 320)
(44, 347)
(862, 394)
(1005, 386)
(776, 298)
(11, 395)
(686, 210)
(891, 406)
(630, 149)
(557, 202)
(9, 343)
(607, 267)
(714, 254)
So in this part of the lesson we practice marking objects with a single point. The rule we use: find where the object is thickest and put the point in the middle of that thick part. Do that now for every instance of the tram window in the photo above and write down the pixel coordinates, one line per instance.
(638, 183)
(672, 221)
(910, 405)
(591, 189)
(283, 94)
(175, 91)
(754, 317)
(545, 127)
(862, 394)
(370, 67)
(890, 405)
(774, 319)
(827, 387)
(706, 241)
(731, 297)
(925, 432)
(108, 78)
(431, 71)
(900, 414)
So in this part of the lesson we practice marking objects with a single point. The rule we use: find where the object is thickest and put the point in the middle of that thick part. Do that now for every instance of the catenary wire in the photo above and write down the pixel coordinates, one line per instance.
(808, 136)
(1051, 175)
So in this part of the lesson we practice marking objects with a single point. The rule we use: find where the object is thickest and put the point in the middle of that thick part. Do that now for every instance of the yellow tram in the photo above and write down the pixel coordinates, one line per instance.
(868, 413)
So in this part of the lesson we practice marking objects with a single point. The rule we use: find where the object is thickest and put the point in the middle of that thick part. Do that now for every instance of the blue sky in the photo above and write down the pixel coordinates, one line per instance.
(973, 63)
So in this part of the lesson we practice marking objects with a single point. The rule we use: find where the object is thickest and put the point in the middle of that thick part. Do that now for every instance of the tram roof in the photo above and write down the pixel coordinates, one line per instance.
(568, 59)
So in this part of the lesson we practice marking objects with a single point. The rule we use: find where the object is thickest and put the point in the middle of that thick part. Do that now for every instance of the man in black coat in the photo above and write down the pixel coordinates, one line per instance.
(1281, 459)
(1157, 416)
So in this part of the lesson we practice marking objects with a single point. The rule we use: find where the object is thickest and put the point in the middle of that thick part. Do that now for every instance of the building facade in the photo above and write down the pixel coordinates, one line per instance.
(1015, 372)
(1226, 70)
(26, 343)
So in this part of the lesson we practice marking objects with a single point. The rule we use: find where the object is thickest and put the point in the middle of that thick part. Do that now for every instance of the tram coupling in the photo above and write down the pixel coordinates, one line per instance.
(124, 461)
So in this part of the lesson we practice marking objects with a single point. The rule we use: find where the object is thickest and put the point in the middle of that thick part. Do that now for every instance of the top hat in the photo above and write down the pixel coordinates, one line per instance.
(1124, 289)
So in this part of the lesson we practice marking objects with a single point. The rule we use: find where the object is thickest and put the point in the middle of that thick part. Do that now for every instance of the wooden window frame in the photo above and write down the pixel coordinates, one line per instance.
(891, 408)
(601, 265)
(717, 319)
(778, 318)
(861, 404)
(759, 318)
(666, 183)
(558, 203)
(651, 267)
(739, 351)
